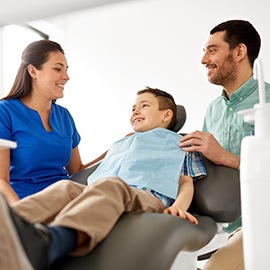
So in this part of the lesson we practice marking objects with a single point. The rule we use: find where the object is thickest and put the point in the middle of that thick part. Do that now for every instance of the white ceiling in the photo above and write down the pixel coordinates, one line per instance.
(19, 11)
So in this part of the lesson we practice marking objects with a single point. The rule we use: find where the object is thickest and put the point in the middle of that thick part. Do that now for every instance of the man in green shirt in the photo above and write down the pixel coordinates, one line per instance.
(229, 56)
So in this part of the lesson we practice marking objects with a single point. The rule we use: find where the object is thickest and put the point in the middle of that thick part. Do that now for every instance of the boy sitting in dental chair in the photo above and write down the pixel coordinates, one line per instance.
(144, 172)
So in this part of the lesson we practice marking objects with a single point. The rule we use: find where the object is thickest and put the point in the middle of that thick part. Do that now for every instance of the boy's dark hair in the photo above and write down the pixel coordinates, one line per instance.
(240, 31)
(165, 101)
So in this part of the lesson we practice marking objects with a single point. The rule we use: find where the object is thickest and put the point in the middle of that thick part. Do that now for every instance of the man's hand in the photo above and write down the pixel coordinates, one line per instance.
(207, 144)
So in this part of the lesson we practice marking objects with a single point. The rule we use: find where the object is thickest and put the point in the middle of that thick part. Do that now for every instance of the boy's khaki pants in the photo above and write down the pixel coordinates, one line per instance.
(93, 209)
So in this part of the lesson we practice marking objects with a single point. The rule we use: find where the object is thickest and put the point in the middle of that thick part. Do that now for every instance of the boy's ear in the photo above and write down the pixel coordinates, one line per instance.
(32, 71)
(168, 115)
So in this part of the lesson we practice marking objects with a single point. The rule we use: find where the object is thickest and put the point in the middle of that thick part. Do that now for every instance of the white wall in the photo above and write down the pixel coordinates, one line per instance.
(114, 51)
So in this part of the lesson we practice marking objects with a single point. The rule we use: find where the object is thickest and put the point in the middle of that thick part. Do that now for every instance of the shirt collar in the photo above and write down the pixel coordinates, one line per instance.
(243, 91)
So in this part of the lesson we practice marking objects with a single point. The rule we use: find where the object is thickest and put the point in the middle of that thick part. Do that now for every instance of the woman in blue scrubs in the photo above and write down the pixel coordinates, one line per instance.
(46, 135)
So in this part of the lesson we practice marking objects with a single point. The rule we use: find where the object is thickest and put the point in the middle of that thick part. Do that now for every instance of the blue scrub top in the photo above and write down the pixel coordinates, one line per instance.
(41, 156)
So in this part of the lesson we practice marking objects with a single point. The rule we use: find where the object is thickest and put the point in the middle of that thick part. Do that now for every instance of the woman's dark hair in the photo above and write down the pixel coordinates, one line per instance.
(36, 54)
(240, 31)
(165, 101)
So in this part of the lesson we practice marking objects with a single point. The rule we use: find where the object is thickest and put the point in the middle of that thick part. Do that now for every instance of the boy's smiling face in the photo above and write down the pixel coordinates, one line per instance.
(146, 114)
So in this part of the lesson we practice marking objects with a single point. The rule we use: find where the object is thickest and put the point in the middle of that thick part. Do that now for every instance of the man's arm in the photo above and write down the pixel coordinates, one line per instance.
(206, 143)
(183, 200)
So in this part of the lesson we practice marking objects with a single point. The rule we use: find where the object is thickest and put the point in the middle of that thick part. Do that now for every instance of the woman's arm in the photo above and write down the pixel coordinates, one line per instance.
(5, 187)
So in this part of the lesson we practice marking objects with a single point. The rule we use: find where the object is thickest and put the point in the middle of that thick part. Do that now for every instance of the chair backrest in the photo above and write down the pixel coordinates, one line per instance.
(218, 194)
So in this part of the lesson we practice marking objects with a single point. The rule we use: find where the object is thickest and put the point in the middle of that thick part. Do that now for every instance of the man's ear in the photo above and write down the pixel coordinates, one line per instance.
(168, 115)
(241, 51)
(32, 71)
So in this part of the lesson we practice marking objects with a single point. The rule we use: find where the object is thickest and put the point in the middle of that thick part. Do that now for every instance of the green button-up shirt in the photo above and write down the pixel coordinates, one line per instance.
(229, 128)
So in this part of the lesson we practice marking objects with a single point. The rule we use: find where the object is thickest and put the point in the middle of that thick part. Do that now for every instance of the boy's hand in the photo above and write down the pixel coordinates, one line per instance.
(180, 213)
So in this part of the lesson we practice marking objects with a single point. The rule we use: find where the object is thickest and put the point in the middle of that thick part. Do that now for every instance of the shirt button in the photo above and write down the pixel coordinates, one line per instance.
(230, 109)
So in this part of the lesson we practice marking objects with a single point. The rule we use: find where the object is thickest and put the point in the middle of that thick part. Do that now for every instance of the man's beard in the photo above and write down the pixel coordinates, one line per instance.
(226, 74)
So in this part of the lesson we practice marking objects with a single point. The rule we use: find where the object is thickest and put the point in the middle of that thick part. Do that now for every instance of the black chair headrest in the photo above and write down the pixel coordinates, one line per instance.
(180, 118)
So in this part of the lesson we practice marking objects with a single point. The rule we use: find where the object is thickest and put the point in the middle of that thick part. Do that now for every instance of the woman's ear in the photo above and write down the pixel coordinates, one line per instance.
(32, 71)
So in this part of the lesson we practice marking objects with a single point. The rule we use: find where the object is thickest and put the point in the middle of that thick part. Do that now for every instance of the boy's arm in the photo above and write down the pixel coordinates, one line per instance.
(183, 200)
(192, 169)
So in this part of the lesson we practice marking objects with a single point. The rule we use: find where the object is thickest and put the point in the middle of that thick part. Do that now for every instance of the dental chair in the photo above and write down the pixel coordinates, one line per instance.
(158, 241)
